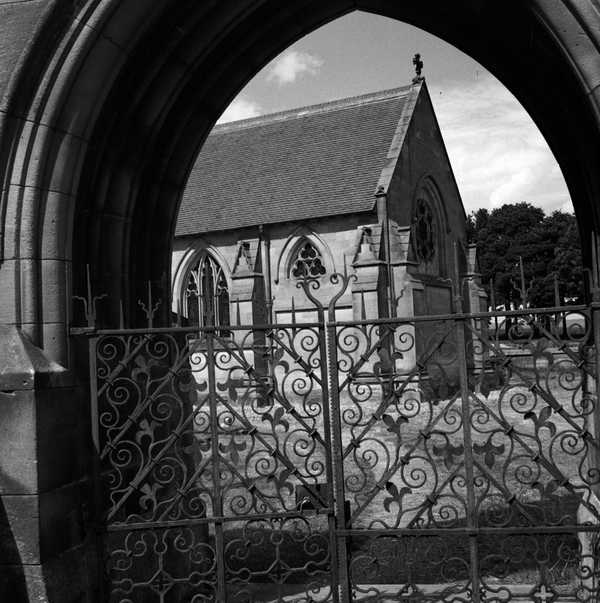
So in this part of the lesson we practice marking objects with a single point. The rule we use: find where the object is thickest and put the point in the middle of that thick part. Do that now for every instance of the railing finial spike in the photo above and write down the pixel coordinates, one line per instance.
(89, 302)
(151, 308)
(88, 281)
(121, 315)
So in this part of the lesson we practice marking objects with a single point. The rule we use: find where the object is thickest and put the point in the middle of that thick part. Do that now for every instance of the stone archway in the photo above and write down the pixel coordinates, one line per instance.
(104, 129)
(105, 105)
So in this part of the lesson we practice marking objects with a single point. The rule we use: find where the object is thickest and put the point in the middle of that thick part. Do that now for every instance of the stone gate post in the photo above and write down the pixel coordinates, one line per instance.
(46, 541)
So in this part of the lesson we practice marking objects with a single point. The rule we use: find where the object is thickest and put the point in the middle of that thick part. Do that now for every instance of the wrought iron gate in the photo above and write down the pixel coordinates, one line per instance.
(436, 458)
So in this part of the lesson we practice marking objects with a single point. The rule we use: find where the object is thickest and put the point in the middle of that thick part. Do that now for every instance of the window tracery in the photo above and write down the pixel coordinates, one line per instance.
(307, 262)
(206, 296)
(424, 231)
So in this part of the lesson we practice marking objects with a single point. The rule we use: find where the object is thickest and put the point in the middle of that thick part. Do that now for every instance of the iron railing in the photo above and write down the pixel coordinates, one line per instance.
(433, 458)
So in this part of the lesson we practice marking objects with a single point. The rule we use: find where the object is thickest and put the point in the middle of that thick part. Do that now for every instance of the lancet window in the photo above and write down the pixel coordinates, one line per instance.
(206, 297)
(307, 262)
(424, 231)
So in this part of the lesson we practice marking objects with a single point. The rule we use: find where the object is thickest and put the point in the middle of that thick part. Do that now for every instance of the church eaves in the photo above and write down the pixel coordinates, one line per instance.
(306, 163)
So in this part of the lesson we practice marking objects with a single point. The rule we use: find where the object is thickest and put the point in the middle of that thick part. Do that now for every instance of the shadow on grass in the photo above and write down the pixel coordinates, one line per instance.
(280, 557)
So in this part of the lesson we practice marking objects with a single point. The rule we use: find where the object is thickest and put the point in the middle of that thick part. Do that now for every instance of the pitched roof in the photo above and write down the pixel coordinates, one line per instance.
(306, 163)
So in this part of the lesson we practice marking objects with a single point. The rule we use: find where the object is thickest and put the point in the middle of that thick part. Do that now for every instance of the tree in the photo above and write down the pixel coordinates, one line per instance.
(567, 262)
(546, 244)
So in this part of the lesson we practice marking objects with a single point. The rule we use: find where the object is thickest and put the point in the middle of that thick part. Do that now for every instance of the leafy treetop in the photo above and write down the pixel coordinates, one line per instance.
(548, 244)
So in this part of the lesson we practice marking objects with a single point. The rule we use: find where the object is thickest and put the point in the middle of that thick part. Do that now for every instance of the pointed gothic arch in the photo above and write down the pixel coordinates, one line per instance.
(180, 269)
(204, 292)
(105, 107)
(306, 261)
(429, 226)
(289, 252)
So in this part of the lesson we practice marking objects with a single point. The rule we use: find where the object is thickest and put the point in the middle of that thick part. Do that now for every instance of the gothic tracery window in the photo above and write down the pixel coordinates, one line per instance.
(206, 296)
(424, 231)
(307, 262)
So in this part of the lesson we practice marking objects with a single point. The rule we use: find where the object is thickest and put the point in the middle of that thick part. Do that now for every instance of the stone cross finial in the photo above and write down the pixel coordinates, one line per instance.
(418, 63)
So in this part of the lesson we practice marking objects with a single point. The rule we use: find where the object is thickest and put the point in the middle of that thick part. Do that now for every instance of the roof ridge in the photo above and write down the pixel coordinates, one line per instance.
(326, 107)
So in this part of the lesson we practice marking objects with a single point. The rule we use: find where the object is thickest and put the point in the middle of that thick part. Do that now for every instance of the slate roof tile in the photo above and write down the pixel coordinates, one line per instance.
(301, 164)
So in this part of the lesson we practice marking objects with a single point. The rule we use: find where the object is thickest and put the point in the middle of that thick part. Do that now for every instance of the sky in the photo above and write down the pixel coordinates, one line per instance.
(497, 153)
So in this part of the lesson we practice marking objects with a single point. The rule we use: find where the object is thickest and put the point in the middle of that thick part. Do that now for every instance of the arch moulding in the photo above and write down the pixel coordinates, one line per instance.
(104, 106)
(302, 233)
(189, 258)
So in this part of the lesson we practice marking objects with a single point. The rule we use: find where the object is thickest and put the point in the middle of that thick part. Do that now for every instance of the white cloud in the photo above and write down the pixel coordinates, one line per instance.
(288, 67)
(497, 153)
(240, 108)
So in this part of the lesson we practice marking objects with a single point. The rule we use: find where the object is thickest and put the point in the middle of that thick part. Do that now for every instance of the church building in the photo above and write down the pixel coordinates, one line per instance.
(360, 185)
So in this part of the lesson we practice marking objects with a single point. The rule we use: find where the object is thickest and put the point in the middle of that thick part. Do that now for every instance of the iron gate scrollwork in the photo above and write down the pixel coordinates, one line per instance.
(433, 458)
(202, 454)
(472, 471)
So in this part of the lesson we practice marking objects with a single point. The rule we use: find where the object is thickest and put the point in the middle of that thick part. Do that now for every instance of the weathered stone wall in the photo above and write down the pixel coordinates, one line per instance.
(335, 237)
(423, 157)
(47, 549)
(18, 22)
(102, 112)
